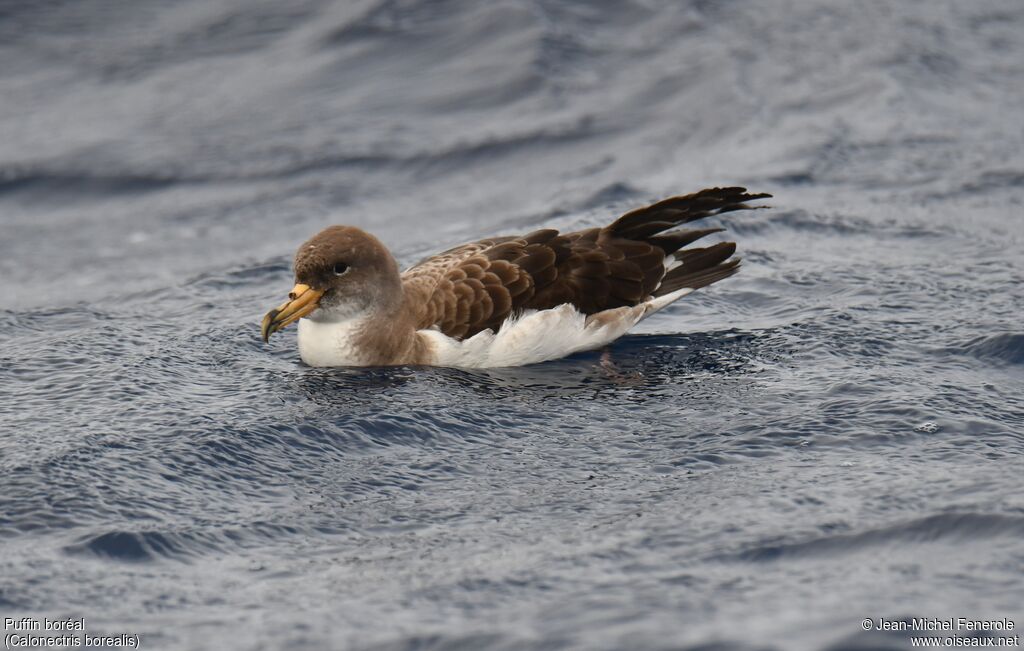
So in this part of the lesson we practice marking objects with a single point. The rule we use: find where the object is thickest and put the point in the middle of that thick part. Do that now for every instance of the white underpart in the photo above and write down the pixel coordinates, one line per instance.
(328, 342)
(539, 336)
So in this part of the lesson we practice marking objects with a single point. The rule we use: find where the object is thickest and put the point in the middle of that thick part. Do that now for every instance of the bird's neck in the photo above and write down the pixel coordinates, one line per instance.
(384, 335)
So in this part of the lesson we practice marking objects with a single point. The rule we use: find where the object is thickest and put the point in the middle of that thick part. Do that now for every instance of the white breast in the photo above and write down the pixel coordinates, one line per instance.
(330, 343)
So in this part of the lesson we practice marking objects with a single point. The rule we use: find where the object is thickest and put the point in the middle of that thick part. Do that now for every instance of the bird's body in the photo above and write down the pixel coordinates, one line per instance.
(527, 338)
(505, 301)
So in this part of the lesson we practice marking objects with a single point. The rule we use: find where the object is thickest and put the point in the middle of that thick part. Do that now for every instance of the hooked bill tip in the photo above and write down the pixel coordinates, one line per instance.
(268, 321)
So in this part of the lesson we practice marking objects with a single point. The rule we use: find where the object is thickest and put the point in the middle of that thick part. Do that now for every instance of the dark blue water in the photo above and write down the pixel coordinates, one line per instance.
(834, 434)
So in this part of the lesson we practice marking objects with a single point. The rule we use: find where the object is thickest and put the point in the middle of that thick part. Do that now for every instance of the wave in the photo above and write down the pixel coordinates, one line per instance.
(1005, 347)
(149, 546)
(945, 528)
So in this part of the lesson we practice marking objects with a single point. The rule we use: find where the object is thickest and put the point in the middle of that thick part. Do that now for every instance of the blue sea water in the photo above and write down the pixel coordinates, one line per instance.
(834, 434)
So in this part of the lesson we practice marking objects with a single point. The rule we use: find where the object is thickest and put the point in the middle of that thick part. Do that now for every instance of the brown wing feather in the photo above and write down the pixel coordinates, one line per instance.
(476, 286)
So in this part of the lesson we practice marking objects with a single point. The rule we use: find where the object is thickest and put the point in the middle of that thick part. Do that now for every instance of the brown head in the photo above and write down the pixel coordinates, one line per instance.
(340, 273)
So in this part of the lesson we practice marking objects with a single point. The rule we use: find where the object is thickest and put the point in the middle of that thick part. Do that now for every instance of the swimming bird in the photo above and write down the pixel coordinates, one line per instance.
(501, 301)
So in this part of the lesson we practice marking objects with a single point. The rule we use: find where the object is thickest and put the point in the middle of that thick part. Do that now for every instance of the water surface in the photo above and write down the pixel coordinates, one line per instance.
(835, 433)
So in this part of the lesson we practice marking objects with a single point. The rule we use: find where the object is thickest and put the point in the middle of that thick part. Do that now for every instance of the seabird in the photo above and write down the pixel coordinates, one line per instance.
(501, 301)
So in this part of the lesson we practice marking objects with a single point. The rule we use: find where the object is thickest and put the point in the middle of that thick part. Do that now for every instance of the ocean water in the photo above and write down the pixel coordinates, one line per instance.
(834, 434)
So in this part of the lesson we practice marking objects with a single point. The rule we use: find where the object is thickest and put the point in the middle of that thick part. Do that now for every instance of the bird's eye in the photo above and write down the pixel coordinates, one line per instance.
(340, 268)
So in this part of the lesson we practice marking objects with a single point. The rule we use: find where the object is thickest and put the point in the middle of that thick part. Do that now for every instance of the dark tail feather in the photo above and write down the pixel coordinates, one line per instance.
(697, 259)
(672, 242)
(700, 267)
(656, 218)
(678, 278)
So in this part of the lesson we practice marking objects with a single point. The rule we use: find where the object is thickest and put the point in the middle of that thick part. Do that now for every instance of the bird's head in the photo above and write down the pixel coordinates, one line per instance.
(340, 273)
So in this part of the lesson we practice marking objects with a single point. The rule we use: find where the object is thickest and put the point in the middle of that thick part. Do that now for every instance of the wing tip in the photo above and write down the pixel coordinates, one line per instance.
(642, 222)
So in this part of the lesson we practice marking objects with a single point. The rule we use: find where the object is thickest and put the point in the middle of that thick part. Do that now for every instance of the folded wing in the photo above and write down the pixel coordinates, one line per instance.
(476, 286)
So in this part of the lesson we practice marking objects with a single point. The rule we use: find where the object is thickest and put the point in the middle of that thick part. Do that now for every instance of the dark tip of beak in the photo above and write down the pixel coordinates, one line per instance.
(268, 321)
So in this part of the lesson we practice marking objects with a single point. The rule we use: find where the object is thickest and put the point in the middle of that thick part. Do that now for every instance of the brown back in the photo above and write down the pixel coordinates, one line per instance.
(476, 286)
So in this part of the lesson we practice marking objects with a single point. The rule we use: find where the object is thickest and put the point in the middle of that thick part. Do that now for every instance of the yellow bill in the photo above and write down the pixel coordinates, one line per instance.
(302, 300)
